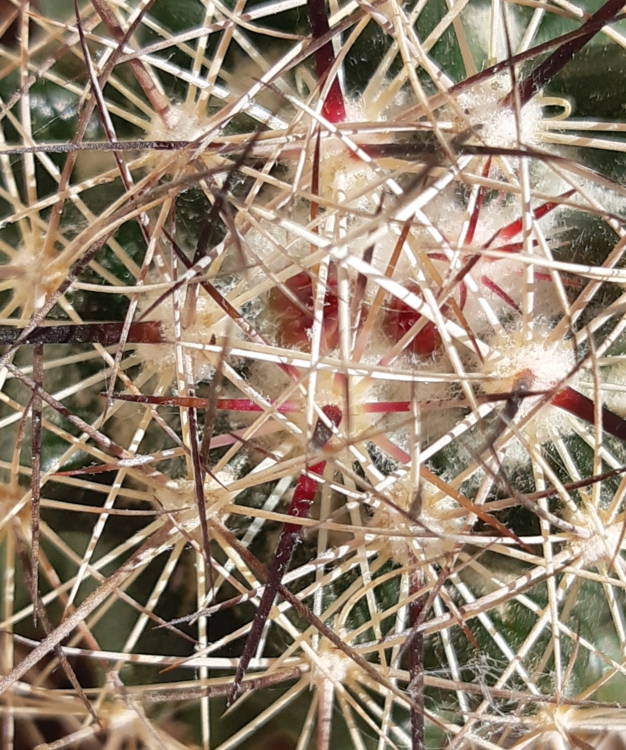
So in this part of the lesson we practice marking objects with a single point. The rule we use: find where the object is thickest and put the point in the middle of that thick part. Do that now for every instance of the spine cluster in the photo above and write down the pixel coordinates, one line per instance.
(311, 343)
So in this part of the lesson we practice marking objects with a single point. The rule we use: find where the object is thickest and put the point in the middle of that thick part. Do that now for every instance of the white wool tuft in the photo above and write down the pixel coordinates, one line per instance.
(545, 362)
(209, 320)
(333, 663)
(603, 544)
(432, 534)
(494, 122)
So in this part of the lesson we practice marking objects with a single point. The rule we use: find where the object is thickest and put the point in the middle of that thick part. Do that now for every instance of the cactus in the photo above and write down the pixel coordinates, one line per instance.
(312, 344)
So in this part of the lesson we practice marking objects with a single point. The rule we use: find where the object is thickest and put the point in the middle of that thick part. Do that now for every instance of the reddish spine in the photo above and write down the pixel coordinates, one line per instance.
(299, 508)
(334, 109)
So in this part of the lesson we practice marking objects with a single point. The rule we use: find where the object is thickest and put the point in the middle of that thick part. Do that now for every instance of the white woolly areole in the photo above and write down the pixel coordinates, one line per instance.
(432, 534)
(543, 364)
(602, 546)
(33, 280)
(209, 320)
(343, 171)
(184, 123)
(331, 662)
(276, 246)
(179, 496)
(494, 122)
